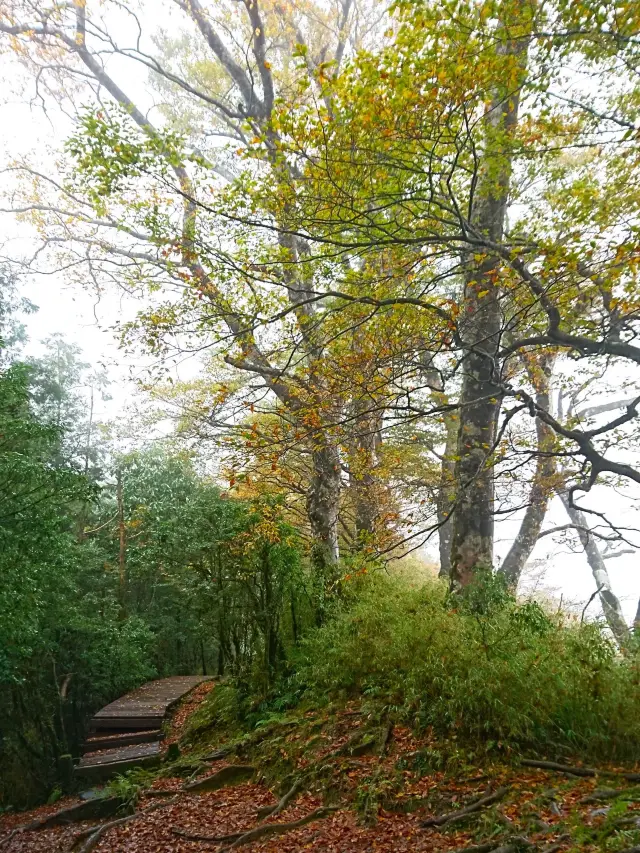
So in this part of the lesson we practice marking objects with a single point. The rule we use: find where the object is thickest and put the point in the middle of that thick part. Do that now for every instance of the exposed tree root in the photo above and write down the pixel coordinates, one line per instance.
(270, 811)
(94, 834)
(480, 804)
(603, 794)
(515, 844)
(71, 814)
(209, 839)
(11, 835)
(237, 839)
(561, 768)
(267, 829)
(630, 777)
(386, 740)
(579, 771)
(233, 774)
(159, 792)
(219, 754)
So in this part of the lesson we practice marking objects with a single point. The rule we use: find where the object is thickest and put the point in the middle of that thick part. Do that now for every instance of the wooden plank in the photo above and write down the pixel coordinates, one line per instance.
(152, 700)
(111, 741)
(123, 753)
(128, 723)
(95, 771)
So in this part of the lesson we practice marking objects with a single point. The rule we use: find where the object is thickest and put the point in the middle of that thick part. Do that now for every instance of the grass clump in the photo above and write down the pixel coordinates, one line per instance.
(222, 711)
(479, 666)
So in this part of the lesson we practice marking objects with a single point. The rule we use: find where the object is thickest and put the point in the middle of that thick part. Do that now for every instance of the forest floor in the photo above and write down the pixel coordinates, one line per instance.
(346, 781)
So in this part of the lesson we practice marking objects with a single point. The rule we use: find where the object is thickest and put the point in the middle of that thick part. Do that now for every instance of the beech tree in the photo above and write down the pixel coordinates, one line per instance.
(447, 184)
(456, 146)
(233, 80)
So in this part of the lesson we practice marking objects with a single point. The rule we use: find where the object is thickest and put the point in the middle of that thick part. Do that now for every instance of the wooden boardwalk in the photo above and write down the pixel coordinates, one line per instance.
(126, 733)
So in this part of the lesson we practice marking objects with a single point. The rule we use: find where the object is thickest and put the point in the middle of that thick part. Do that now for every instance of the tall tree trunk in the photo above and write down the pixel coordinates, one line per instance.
(541, 486)
(122, 545)
(323, 504)
(480, 329)
(610, 603)
(446, 495)
(362, 463)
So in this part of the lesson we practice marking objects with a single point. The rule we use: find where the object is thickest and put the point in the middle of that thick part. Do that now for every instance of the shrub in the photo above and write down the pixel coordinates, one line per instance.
(482, 666)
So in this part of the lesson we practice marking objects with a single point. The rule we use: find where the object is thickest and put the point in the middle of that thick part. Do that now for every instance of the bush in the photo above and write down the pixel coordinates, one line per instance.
(482, 666)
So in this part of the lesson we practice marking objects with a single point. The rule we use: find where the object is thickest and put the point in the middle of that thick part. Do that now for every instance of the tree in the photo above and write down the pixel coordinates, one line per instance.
(237, 99)
(12, 304)
(439, 175)
(63, 392)
(62, 646)
(431, 143)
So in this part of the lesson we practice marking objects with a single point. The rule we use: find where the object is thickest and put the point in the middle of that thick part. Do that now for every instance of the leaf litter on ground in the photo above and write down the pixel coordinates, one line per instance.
(539, 805)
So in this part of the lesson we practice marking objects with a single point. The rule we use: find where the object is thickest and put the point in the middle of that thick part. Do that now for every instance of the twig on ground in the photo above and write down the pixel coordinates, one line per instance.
(450, 817)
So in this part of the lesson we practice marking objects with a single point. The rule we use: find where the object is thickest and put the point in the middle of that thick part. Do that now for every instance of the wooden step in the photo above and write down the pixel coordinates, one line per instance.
(103, 764)
(146, 707)
(127, 722)
(109, 740)
(126, 732)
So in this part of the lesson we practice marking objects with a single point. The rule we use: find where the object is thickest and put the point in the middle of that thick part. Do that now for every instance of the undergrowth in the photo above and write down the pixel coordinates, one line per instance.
(481, 668)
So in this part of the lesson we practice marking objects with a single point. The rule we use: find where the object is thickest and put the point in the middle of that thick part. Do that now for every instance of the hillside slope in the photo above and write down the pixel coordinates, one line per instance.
(346, 780)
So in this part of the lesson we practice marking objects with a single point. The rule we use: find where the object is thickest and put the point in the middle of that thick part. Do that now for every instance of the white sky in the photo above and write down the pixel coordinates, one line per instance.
(77, 314)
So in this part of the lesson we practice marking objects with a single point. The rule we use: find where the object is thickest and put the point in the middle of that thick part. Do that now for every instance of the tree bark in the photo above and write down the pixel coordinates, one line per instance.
(363, 483)
(527, 536)
(323, 502)
(446, 496)
(480, 329)
(610, 603)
